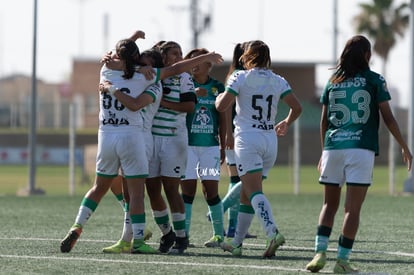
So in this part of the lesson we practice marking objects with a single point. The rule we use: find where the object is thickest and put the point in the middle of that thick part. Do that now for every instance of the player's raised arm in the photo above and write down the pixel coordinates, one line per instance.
(188, 64)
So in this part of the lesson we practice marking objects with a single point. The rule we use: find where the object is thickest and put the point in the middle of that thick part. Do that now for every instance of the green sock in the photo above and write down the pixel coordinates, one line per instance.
(232, 202)
(120, 199)
(188, 207)
(322, 238)
(216, 211)
(232, 197)
(344, 247)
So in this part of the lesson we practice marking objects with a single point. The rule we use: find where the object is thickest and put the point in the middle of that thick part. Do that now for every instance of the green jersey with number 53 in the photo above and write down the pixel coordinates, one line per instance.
(353, 112)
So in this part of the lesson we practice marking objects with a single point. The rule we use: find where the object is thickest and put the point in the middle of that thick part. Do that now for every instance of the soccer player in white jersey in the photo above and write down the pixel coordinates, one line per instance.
(169, 161)
(115, 119)
(352, 102)
(119, 144)
(151, 58)
(164, 72)
(231, 200)
(257, 91)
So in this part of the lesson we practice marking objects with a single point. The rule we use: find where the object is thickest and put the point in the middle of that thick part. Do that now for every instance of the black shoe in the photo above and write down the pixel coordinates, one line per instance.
(250, 236)
(167, 242)
(181, 244)
(70, 239)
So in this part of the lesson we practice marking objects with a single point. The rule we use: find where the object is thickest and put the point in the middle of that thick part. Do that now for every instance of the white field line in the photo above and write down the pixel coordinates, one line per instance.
(181, 263)
(258, 267)
(285, 247)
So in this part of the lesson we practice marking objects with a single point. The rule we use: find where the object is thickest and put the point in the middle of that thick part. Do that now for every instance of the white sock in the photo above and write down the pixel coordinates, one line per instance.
(83, 215)
(127, 230)
(178, 220)
(263, 212)
(243, 223)
(165, 227)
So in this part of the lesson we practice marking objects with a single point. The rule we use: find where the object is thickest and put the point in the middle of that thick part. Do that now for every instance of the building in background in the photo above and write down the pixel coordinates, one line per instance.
(82, 90)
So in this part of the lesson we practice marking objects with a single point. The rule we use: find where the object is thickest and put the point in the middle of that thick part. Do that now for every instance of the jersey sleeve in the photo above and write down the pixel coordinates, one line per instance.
(187, 88)
(285, 88)
(187, 84)
(324, 96)
(383, 93)
(154, 90)
(233, 83)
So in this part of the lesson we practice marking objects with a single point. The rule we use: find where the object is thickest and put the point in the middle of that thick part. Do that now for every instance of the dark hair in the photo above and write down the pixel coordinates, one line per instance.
(127, 50)
(197, 51)
(158, 44)
(155, 56)
(165, 46)
(354, 58)
(256, 54)
(236, 63)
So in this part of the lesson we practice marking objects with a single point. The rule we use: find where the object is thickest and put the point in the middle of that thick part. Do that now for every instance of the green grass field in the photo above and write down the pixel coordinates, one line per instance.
(54, 180)
(33, 226)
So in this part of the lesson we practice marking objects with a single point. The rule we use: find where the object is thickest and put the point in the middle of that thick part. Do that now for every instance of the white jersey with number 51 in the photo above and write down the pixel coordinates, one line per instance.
(257, 93)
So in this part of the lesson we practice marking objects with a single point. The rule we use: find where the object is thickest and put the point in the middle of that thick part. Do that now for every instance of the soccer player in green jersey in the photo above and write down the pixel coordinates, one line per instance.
(206, 136)
(353, 100)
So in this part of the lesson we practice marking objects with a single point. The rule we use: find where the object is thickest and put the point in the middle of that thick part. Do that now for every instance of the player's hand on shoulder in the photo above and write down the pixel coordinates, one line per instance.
(107, 57)
(104, 86)
(147, 71)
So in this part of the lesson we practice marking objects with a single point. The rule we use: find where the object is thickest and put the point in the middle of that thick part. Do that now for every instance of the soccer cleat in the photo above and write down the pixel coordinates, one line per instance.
(250, 236)
(181, 244)
(317, 263)
(166, 242)
(273, 244)
(230, 232)
(70, 239)
(344, 267)
(229, 247)
(140, 247)
(214, 241)
(121, 246)
(147, 234)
